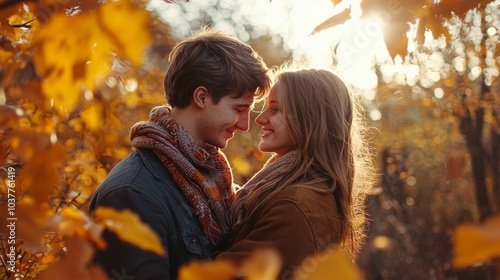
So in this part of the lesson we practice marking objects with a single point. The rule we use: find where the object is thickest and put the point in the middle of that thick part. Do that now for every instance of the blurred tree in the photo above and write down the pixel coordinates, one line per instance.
(455, 80)
(71, 84)
(465, 53)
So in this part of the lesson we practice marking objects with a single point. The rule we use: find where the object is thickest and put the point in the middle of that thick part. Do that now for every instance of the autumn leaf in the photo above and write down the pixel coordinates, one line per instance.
(76, 264)
(477, 243)
(395, 16)
(31, 218)
(329, 264)
(73, 222)
(129, 228)
(71, 60)
(115, 17)
(208, 270)
(263, 264)
(92, 116)
(41, 159)
(61, 59)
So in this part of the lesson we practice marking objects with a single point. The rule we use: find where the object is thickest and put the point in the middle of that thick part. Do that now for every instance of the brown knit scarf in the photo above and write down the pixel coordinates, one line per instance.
(202, 173)
(274, 169)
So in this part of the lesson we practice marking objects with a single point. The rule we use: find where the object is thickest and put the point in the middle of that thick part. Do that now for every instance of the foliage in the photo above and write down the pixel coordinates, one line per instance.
(395, 16)
(72, 83)
(66, 85)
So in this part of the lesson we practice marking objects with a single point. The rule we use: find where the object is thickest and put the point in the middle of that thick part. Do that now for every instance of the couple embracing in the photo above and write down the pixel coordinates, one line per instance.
(307, 197)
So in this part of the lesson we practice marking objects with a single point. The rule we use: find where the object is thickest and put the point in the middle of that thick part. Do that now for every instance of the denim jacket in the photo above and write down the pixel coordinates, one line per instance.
(141, 184)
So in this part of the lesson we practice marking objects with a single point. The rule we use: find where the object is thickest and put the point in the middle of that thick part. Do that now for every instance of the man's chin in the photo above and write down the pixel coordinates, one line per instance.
(223, 145)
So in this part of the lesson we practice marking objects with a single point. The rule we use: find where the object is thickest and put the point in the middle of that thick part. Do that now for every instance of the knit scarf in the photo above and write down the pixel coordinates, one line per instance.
(202, 173)
(274, 169)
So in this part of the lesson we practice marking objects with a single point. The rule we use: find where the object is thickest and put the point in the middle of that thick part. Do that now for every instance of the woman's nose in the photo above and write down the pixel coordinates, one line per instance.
(261, 119)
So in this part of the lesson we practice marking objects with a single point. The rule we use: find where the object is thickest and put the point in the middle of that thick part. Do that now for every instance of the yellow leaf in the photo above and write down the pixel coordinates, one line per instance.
(61, 53)
(208, 270)
(92, 116)
(329, 264)
(129, 228)
(127, 26)
(477, 243)
(69, 221)
(261, 265)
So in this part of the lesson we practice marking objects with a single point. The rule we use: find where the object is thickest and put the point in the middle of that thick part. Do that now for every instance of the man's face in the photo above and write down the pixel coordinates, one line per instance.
(223, 119)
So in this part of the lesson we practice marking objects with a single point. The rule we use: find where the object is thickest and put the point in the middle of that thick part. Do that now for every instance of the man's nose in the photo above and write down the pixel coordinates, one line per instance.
(242, 123)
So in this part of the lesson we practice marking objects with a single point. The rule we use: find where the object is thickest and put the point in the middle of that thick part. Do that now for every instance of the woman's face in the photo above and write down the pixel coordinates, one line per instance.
(276, 136)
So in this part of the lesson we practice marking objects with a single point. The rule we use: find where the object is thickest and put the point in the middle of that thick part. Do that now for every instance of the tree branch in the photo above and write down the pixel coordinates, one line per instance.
(26, 24)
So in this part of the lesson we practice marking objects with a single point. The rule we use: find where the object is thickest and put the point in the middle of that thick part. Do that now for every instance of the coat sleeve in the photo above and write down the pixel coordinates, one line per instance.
(282, 226)
(121, 259)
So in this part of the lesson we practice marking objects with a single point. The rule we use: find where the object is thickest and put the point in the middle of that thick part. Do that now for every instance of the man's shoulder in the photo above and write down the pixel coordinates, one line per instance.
(140, 171)
(127, 170)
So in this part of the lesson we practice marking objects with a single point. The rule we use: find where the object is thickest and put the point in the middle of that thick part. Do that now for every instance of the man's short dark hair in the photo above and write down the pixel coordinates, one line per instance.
(221, 63)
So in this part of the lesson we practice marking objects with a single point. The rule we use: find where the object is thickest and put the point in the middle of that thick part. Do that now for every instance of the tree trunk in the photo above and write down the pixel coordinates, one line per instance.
(495, 168)
(472, 129)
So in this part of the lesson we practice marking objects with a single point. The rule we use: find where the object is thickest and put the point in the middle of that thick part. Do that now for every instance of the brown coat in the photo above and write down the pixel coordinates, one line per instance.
(298, 222)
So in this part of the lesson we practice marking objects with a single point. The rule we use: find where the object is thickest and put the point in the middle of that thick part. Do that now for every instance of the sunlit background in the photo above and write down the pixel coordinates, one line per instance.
(433, 110)
(294, 21)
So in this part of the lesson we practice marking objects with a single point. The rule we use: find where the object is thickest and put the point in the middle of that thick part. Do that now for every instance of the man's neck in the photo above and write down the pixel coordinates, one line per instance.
(185, 118)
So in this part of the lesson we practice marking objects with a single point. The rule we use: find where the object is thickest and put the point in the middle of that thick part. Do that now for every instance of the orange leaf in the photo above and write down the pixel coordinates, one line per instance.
(31, 217)
(261, 265)
(129, 228)
(477, 243)
(76, 264)
(41, 161)
(329, 264)
(208, 270)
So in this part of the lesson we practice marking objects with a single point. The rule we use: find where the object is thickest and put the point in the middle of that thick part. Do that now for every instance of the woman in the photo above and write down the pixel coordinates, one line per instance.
(309, 195)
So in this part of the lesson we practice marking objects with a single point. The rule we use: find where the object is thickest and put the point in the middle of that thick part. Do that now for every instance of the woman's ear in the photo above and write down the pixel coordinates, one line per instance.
(200, 96)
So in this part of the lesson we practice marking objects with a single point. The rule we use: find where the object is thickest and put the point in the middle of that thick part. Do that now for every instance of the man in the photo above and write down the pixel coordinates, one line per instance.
(177, 180)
